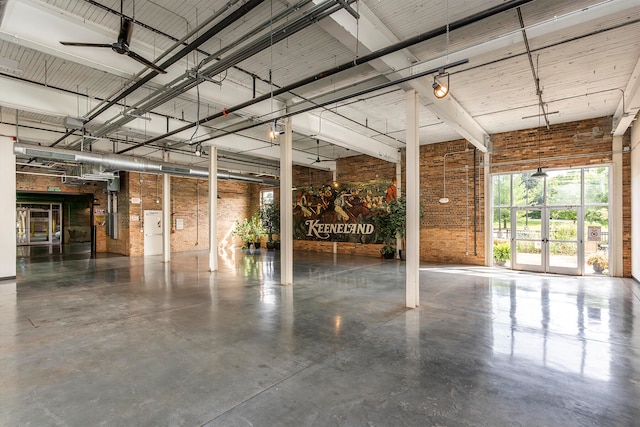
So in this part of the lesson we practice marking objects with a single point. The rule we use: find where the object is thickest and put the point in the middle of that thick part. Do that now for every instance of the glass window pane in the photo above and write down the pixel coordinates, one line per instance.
(502, 190)
(527, 190)
(266, 197)
(596, 185)
(501, 223)
(563, 187)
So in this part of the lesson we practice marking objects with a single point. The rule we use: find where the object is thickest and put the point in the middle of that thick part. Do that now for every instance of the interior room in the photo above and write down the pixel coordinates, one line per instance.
(320, 212)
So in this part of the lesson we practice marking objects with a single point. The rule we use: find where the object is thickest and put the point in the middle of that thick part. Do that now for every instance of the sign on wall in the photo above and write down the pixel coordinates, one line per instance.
(341, 212)
(594, 233)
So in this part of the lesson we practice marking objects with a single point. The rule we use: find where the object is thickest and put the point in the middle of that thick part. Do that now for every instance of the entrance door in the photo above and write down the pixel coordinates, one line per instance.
(526, 240)
(547, 239)
(152, 233)
(563, 240)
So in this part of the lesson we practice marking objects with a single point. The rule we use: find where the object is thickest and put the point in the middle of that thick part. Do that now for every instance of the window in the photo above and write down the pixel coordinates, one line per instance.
(266, 197)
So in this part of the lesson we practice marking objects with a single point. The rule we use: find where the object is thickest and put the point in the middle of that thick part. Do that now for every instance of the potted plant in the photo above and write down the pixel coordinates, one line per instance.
(398, 218)
(249, 231)
(501, 252)
(391, 225)
(386, 231)
(388, 251)
(599, 261)
(270, 217)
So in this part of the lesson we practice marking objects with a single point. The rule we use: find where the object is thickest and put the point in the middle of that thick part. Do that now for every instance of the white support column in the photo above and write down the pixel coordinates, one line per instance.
(213, 209)
(8, 213)
(399, 240)
(399, 178)
(488, 217)
(635, 202)
(615, 238)
(286, 203)
(166, 218)
(412, 287)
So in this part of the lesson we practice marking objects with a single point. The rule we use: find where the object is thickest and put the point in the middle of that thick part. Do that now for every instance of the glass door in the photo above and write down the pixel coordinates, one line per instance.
(526, 240)
(563, 240)
(39, 226)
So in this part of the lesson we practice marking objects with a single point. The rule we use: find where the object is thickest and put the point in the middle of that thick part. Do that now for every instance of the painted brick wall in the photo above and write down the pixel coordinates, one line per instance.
(350, 169)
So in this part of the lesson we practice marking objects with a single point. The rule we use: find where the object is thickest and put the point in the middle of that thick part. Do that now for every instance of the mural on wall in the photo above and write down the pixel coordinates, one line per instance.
(341, 212)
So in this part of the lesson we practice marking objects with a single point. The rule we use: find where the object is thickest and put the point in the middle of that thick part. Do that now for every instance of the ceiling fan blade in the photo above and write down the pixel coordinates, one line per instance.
(146, 62)
(126, 31)
(86, 44)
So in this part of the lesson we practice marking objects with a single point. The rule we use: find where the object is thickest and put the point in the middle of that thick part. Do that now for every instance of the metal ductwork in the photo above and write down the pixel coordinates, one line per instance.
(115, 162)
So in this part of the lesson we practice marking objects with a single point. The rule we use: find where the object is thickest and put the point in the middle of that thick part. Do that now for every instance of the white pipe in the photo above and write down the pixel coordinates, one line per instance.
(117, 162)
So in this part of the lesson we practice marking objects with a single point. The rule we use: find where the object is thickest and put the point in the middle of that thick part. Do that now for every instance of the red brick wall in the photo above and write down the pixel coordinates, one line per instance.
(583, 143)
(39, 183)
(189, 202)
(447, 230)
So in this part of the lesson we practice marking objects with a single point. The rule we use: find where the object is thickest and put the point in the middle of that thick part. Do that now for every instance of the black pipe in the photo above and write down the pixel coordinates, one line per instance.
(237, 14)
(339, 68)
(318, 13)
(341, 98)
(475, 202)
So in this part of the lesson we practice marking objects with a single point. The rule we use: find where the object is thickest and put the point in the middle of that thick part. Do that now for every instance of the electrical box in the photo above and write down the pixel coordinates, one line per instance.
(113, 184)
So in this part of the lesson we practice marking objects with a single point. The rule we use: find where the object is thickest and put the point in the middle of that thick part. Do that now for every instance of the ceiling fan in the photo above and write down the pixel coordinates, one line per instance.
(122, 45)
(318, 160)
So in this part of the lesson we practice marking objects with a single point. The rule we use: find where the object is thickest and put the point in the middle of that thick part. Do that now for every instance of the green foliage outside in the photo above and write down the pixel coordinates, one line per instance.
(563, 188)
(501, 251)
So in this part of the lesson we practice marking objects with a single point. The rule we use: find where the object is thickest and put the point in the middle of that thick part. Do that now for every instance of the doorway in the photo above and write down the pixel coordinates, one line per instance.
(557, 224)
(152, 232)
(38, 224)
(547, 239)
(52, 223)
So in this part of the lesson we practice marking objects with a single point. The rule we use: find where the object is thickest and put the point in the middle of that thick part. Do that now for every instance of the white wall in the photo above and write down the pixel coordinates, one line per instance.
(8, 209)
(635, 201)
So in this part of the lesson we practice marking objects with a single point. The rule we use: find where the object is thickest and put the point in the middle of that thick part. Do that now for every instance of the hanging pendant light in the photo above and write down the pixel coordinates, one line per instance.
(539, 173)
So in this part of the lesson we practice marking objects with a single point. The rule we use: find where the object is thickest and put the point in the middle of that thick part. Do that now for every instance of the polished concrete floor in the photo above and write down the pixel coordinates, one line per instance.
(122, 341)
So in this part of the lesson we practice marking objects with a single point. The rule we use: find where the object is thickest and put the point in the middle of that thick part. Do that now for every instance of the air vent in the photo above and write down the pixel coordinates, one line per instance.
(173, 169)
(49, 155)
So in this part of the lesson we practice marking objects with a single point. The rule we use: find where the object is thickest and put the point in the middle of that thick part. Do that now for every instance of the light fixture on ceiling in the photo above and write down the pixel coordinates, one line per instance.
(199, 150)
(274, 131)
(440, 89)
(539, 173)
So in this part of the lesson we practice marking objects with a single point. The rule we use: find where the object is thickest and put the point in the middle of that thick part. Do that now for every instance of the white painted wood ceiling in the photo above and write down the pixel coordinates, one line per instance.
(586, 54)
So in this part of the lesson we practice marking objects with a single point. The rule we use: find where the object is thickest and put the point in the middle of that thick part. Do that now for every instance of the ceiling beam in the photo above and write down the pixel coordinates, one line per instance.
(629, 106)
(372, 35)
(42, 34)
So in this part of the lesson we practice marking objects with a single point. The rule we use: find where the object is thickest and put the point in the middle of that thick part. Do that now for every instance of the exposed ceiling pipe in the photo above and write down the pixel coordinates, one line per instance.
(158, 98)
(347, 65)
(115, 162)
(224, 23)
(536, 76)
(178, 42)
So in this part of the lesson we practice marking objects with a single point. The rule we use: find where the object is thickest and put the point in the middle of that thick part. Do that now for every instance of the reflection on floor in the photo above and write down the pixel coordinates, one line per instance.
(133, 341)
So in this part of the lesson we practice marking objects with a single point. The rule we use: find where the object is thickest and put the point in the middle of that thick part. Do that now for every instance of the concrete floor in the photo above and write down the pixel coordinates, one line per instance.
(121, 341)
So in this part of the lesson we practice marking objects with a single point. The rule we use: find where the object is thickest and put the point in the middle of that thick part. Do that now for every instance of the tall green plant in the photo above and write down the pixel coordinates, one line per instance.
(270, 217)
